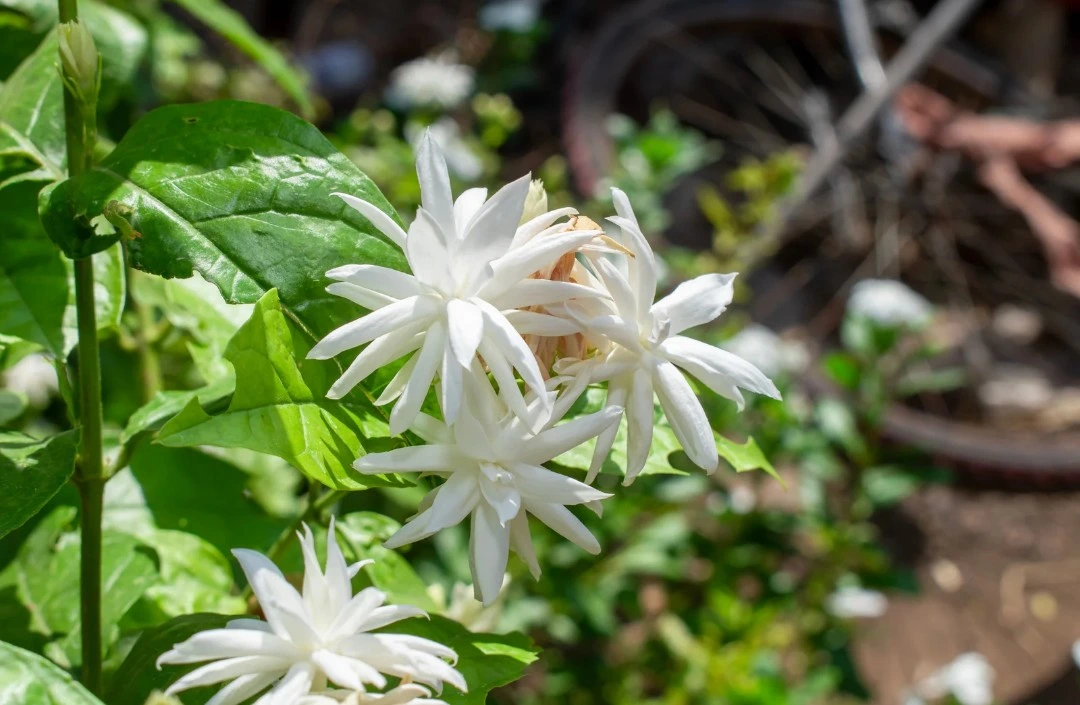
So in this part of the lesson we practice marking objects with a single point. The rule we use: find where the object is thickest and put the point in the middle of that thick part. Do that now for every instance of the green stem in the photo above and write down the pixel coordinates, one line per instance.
(89, 477)
(149, 363)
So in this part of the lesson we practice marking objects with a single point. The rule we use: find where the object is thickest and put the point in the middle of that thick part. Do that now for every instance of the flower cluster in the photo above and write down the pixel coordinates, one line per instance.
(511, 311)
(314, 639)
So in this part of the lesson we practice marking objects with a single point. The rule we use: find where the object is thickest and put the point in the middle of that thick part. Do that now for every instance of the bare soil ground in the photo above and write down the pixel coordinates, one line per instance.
(1000, 575)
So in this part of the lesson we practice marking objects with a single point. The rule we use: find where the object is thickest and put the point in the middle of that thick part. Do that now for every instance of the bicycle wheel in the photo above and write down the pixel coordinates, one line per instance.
(752, 73)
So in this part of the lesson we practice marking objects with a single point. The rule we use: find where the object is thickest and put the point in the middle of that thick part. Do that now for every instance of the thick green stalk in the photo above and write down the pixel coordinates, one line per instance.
(89, 476)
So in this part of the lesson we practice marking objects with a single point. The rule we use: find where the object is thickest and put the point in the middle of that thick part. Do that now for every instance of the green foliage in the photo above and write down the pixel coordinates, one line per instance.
(280, 406)
(29, 679)
(362, 533)
(31, 472)
(239, 192)
(230, 25)
(44, 580)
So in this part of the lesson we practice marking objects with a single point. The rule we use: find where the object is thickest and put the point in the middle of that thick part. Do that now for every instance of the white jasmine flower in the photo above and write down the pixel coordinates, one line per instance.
(440, 82)
(888, 302)
(406, 694)
(851, 602)
(493, 466)
(469, 259)
(769, 352)
(969, 678)
(648, 351)
(461, 160)
(309, 639)
(34, 376)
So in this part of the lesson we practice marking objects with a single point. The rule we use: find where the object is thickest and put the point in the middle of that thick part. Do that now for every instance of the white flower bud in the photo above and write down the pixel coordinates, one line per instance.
(80, 63)
(536, 203)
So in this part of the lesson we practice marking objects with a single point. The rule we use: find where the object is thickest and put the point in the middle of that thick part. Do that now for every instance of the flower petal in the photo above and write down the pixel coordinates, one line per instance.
(493, 227)
(521, 542)
(377, 323)
(388, 614)
(489, 551)
(465, 208)
(454, 500)
(466, 328)
(696, 302)
(428, 252)
(639, 423)
(215, 644)
(563, 522)
(511, 345)
(360, 296)
(617, 392)
(347, 672)
(719, 370)
(527, 231)
(557, 440)
(533, 323)
(540, 292)
(451, 387)
(543, 485)
(227, 669)
(435, 194)
(386, 281)
(425, 458)
(382, 351)
(428, 359)
(686, 415)
(519, 264)
(396, 385)
(294, 685)
(242, 688)
(376, 217)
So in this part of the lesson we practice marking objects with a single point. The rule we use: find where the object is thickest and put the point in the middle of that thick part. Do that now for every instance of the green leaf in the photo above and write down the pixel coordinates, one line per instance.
(231, 25)
(29, 679)
(744, 457)
(241, 193)
(31, 472)
(363, 533)
(37, 290)
(138, 675)
(12, 406)
(45, 575)
(165, 405)
(487, 661)
(195, 576)
(185, 489)
(32, 114)
(280, 407)
(192, 305)
(664, 443)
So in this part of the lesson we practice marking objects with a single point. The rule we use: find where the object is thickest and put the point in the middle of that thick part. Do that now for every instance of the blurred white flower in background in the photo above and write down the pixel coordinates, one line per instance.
(463, 607)
(461, 160)
(888, 302)
(34, 377)
(768, 351)
(969, 678)
(742, 499)
(430, 81)
(852, 602)
(510, 15)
